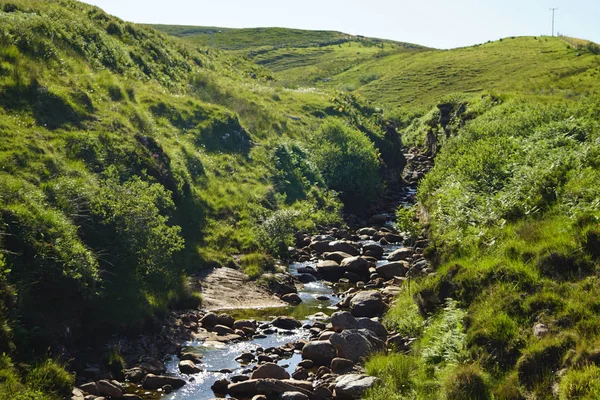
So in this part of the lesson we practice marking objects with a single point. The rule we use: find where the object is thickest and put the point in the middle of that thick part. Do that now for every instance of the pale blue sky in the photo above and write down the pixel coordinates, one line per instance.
(434, 23)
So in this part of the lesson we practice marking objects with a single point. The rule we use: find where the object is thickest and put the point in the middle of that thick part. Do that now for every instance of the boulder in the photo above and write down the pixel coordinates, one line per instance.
(244, 323)
(353, 386)
(322, 393)
(270, 370)
(293, 396)
(306, 278)
(209, 320)
(393, 238)
(195, 357)
(153, 382)
(91, 388)
(300, 374)
(336, 256)
(287, 323)
(356, 265)
(374, 326)
(346, 247)
(373, 250)
(225, 320)
(330, 270)
(341, 366)
(367, 304)
(245, 389)
(220, 386)
(273, 388)
(343, 320)
(188, 367)
(367, 231)
(320, 352)
(401, 254)
(319, 246)
(223, 330)
(393, 269)
(291, 298)
(356, 344)
(134, 375)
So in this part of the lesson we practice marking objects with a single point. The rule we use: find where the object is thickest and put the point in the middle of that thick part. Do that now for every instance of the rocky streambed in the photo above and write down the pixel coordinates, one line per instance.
(337, 288)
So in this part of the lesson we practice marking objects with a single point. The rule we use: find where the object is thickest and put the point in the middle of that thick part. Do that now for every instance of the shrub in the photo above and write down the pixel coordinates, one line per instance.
(580, 384)
(541, 360)
(466, 382)
(276, 233)
(256, 264)
(348, 162)
(51, 377)
(396, 371)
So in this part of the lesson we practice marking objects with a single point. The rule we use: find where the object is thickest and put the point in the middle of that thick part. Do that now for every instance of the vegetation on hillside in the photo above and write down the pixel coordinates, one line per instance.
(129, 161)
(512, 209)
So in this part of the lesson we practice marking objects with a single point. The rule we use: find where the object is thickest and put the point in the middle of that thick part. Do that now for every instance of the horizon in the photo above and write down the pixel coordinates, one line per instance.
(482, 22)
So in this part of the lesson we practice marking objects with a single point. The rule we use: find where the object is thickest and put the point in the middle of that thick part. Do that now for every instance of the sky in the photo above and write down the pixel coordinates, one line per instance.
(435, 23)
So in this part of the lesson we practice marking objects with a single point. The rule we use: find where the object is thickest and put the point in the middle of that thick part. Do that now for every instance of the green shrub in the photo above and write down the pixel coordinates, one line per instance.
(256, 264)
(116, 364)
(51, 377)
(407, 221)
(396, 371)
(466, 382)
(348, 162)
(276, 232)
(541, 360)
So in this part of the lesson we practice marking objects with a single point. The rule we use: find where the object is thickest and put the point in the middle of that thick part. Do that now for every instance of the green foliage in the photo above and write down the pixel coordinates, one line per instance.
(256, 264)
(444, 337)
(407, 221)
(116, 364)
(348, 162)
(580, 384)
(51, 377)
(397, 373)
(276, 232)
(467, 382)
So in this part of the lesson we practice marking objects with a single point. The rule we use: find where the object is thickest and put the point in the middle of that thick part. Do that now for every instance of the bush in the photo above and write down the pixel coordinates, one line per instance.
(276, 233)
(348, 162)
(466, 382)
(396, 371)
(256, 264)
(51, 377)
(580, 384)
(540, 361)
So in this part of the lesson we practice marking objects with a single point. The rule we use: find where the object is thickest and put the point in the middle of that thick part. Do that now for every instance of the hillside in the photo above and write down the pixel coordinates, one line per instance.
(130, 160)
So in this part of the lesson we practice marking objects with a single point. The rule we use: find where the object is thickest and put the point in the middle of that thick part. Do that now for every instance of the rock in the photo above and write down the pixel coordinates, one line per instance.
(367, 304)
(220, 386)
(393, 269)
(356, 344)
(356, 265)
(393, 238)
(336, 256)
(259, 397)
(376, 327)
(152, 365)
(270, 370)
(379, 218)
(330, 270)
(91, 388)
(325, 335)
(225, 320)
(153, 382)
(244, 323)
(239, 378)
(341, 365)
(293, 396)
(401, 254)
(109, 389)
(540, 330)
(188, 367)
(353, 386)
(306, 278)
(244, 389)
(209, 320)
(300, 374)
(346, 247)
(245, 358)
(223, 330)
(308, 364)
(291, 298)
(320, 352)
(167, 389)
(287, 323)
(273, 388)
(322, 393)
(367, 231)
(195, 357)
(131, 396)
(77, 394)
(343, 320)
(319, 246)
(373, 250)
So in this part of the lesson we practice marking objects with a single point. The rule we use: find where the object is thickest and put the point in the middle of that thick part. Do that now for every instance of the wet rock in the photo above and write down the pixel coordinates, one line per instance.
(336, 256)
(220, 386)
(223, 330)
(346, 247)
(373, 250)
(367, 231)
(353, 386)
(167, 389)
(273, 388)
(356, 344)
(245, 358)
(343, 320)
(152, 366)
(259, 397)
(319, 246)
(288, 323)
(393, 238)
(131, 396)
(153, 382)
(367, 304)
(393, 269)
(244, 323)
(188, 367)
(322, 393)
(305, 278)
(325, 335)
(330, 270)
(270, 370)
(265, 359)
(291, 298)
(356, 265)
(341, 365)
(374, 326)
(239, 378)
(320, 352)
(401, 254)
(308, 364)
(195, 357)
(243, 389)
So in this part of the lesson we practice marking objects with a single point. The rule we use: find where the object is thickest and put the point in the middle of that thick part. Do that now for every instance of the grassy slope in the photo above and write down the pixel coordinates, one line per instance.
(128, 160)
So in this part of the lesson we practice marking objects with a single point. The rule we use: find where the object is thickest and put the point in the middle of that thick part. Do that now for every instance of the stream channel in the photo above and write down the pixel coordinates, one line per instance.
(219, 359)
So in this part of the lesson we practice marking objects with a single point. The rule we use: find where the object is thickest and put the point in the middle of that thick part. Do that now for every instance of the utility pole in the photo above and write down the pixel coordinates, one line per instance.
(553, 10)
